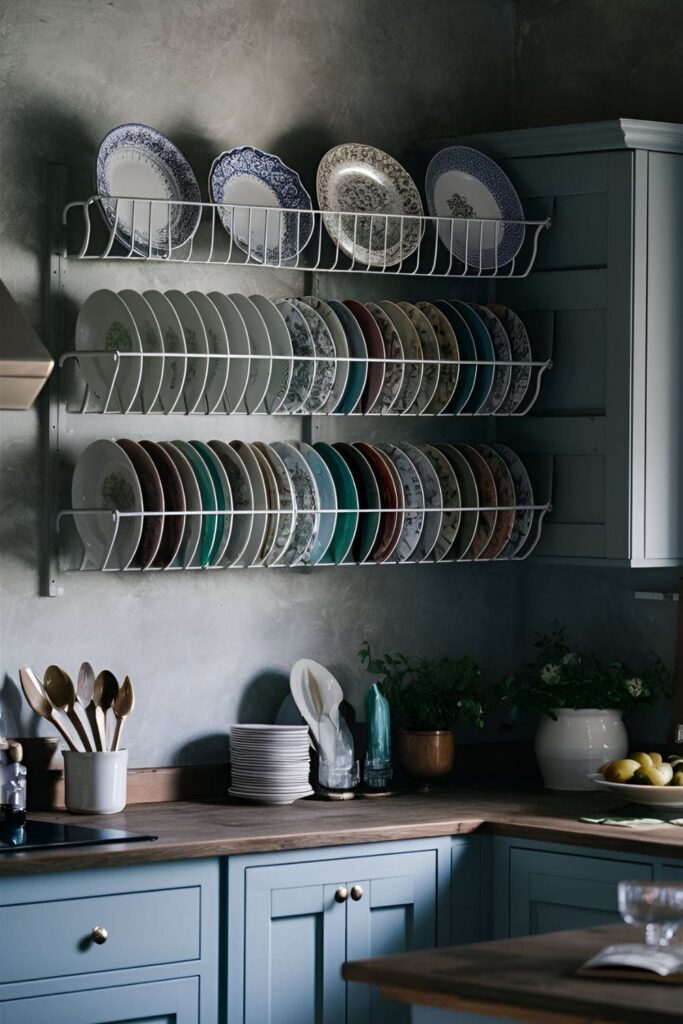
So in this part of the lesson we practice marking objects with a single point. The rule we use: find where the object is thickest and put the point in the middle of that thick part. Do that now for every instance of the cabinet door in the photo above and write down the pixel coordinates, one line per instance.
(297, 935)
(396, 913)
(555, 891)
(295, 944)
(159, 1002)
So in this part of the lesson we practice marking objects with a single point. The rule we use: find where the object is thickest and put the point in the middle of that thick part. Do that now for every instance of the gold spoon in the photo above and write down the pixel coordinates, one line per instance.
(40, 703)
(106, 688)
(60, 690)
(124, 702)
(85, 688)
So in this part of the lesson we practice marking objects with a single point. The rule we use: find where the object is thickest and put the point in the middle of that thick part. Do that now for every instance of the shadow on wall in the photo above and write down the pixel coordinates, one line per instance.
(11, 707)
(262, 697)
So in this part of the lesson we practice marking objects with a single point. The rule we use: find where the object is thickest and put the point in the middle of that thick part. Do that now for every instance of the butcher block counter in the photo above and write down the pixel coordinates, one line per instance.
(195, 829)
(527, 979)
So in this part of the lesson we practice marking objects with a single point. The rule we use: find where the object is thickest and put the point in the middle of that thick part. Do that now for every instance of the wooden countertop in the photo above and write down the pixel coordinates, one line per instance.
(197, 829)
(530, 979)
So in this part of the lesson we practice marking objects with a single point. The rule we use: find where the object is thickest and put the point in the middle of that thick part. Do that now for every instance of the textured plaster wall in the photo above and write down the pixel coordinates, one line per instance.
(295, 78)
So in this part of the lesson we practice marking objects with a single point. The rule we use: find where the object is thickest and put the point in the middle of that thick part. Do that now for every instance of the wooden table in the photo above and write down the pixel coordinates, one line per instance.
(527, 979)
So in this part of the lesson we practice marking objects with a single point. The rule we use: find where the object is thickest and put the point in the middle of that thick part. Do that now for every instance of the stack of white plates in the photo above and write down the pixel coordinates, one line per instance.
(270, 763)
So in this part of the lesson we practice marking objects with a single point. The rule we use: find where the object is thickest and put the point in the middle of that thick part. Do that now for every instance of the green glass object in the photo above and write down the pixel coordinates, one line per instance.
(377, 769)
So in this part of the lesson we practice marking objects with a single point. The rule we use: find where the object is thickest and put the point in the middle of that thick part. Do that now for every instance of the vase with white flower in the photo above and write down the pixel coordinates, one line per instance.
(581, 701)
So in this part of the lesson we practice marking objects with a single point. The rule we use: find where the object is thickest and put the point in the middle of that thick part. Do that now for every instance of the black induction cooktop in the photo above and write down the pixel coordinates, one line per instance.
(44, 835)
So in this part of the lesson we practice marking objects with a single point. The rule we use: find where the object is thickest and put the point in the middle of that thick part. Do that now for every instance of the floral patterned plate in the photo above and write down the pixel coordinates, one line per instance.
(282, 500)
(307, 516)
(505, 492)
(253, 553)
(249, 177)
(175, 361)
(413, 501)
(358, 179)
(327, 495)
(302, 345)
(449, 370)
(325, 366)
(106, 324)
(524, 495)
(430, 351)
(196, 343)
(135, 160)
(469, 494)
(503, 356)
(450, 490)
(105, 478)
(521, 353)
(412, 352)
(152, 499)
(462, 182)
(394, 367)
(433, 501)
(242, 501)
(488, 499)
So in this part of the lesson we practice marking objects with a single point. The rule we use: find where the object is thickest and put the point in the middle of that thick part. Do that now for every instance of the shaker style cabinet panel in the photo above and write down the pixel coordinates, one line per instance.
(151, 931)
(293, 922)
(607, 281)
(160, 1002)
(555, 892)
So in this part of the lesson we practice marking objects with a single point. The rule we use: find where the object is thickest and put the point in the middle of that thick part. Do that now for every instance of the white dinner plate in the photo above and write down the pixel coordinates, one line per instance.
(151, 341)
(281, 345)
(217, 341)
(650, 796)
(175, 351)
(259, 346)
(196, 344)
(105, 478)
(105, 324)
(238, 346)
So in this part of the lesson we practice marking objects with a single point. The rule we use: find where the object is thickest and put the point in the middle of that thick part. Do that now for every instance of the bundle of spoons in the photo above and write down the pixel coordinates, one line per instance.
(80, 713)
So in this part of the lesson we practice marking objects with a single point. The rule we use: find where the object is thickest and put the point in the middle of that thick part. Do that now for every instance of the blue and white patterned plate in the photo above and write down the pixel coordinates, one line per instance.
(462, 182)
(249, 177)
(137, 161)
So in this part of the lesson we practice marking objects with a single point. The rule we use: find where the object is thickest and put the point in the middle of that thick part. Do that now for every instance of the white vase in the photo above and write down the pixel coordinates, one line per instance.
(576, 744)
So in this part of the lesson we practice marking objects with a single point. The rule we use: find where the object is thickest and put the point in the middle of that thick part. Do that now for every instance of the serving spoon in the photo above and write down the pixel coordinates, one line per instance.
(85, 688)
(60, 689)
(104, 694)
(124, 702)
(39, 702)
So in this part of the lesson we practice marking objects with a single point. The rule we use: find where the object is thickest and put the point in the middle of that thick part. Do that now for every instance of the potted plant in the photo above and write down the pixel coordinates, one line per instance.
(428, 697)
(581, 702)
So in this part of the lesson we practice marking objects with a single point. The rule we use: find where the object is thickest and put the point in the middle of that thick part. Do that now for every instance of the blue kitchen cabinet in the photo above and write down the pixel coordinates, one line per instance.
(111, 945)
(159, 1002)
(543, 887)
(293, 919)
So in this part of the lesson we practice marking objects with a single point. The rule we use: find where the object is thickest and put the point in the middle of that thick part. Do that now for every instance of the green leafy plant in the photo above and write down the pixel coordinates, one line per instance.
(561, 676)
(428, 693)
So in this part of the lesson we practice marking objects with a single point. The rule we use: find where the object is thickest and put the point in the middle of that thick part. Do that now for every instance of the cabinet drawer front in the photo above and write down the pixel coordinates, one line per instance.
(160, 1002)
(50, 939)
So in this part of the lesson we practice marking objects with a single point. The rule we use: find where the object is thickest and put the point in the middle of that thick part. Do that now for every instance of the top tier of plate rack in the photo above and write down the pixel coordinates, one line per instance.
(320, 241)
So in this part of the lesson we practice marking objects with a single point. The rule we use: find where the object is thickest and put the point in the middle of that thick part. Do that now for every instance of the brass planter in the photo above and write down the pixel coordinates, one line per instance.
(426, 754)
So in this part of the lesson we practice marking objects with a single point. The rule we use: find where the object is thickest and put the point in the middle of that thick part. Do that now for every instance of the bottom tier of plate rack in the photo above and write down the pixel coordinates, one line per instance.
(286, 505)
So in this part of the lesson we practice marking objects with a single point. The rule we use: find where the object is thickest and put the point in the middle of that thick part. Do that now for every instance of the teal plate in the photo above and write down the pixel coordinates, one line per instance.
(467, 378)
(207, 493)
(485, 350)
(221, 484)
(358, 350)
(368, 498)
(347, 497)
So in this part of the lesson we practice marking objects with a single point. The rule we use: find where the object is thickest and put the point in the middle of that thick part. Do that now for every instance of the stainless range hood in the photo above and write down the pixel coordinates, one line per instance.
(25, 363)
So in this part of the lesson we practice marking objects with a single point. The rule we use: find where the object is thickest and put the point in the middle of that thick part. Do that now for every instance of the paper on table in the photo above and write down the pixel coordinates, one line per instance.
(663, 962)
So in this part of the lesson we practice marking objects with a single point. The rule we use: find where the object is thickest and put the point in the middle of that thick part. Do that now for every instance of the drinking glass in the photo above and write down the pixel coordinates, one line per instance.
(657, 905)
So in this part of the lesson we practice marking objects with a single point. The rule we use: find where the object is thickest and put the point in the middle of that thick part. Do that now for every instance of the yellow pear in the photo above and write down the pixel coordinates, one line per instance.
(649, 775)
(621, 771)
(641, 758)
(677, 779)
(656, 759)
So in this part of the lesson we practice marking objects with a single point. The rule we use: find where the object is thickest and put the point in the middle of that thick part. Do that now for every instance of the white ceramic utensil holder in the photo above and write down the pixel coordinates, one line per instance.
(95, 782)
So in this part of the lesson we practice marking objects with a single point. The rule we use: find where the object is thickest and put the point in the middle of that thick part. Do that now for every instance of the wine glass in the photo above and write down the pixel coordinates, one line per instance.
(657, 905)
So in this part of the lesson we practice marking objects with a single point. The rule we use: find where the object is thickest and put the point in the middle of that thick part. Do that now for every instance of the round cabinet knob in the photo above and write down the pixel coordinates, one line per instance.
(356, 892)
(341, 894)
(99, 934)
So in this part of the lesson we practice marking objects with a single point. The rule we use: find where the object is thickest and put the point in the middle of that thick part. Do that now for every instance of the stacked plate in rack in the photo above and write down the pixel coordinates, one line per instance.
(177, 352)
(270, 764)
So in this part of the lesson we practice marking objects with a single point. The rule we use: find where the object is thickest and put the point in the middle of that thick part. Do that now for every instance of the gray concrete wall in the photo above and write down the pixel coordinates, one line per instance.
(295, 78)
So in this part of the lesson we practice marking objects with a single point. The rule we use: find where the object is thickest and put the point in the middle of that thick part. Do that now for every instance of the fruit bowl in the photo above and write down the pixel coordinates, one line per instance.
(650, 796)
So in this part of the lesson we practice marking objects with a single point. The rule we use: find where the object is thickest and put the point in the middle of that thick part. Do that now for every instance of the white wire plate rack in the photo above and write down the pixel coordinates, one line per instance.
(74, 557)
(99, 228)
(113, 361)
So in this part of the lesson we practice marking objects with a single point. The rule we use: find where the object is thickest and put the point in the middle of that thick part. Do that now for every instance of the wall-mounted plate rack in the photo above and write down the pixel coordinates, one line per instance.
(127, 229)
(92, 232)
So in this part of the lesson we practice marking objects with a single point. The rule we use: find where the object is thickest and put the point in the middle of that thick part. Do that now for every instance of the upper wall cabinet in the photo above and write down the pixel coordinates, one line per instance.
(609, 275)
